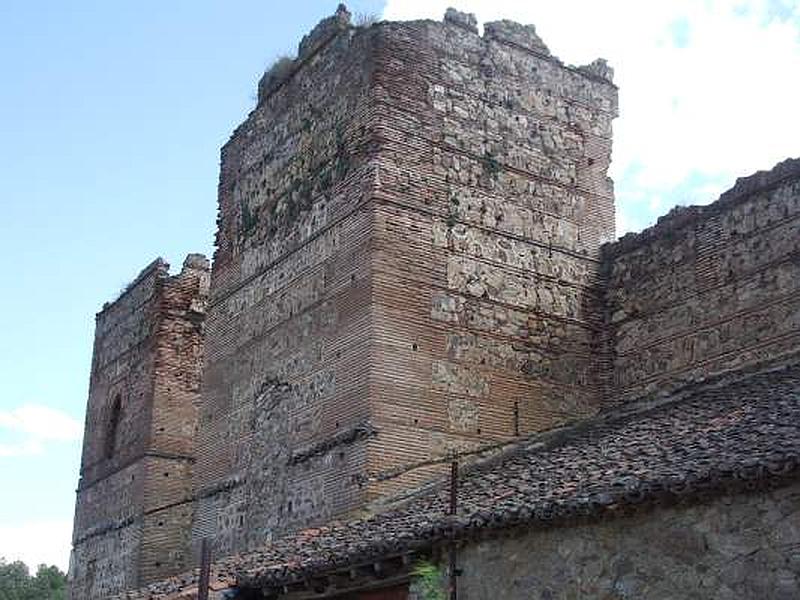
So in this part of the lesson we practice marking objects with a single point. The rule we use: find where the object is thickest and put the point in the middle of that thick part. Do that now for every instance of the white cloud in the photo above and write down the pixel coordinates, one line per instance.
(26, 447)
(37, 542)
(655, 203)
(34, 425)
(708, 89)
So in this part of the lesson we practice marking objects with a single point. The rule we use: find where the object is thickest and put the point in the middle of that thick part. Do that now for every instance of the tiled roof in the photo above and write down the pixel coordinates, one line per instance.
(704, 440)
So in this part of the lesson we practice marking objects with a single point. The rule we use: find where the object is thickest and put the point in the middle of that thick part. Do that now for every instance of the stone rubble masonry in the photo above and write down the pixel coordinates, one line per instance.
(735, 547)
(132, 517)
(407, 264)
(708, 289)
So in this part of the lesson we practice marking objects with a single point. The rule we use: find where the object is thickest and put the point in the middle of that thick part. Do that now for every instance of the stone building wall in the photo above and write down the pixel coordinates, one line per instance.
(284, 415)
(131, 516)
(408, 247)
(744, 546)
(708, 289)
(491, 203)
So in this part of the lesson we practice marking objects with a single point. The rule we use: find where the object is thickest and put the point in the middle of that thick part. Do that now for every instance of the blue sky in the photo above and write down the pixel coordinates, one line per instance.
(111, 119)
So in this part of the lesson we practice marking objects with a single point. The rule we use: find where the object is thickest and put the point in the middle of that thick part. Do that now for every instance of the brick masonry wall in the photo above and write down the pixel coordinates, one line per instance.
(139, 437)
(708, 289)
(491, 203)
(284, 413)
(735, 547)
(107, 535)
(122, 367)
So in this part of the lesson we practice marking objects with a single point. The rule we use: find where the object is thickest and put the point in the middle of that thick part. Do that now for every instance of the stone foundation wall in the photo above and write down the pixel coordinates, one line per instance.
(106, 563)
(743, 546)
(107, 534)
(708, 289)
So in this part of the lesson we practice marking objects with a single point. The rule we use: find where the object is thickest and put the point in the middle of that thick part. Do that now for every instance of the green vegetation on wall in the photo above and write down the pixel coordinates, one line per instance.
(428, 582)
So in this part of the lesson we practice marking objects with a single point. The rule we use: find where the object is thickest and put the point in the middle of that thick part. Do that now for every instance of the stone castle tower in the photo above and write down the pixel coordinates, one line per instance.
(408, 247)
(409, 263)
(132, 517)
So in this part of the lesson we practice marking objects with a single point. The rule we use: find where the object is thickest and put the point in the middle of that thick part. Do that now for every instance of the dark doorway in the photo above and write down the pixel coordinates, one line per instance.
(399, 592)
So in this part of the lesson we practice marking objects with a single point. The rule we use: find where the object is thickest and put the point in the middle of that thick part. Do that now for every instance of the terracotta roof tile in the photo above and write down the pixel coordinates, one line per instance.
(710, 439)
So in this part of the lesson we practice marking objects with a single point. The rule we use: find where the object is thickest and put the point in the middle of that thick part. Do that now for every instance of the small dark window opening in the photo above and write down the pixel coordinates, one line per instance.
(91, 571)
(113, 427)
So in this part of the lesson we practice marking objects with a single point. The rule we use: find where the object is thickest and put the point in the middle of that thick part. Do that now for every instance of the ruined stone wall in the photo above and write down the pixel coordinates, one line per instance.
(167, 500)
(491, 203)
(140, 427)
(708, 289)
(122, 369)
(106, 535)
(742, 546)
(285, 417)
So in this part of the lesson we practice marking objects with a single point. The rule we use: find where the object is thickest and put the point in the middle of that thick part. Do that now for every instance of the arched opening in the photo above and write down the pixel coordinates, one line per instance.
(113, 427)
